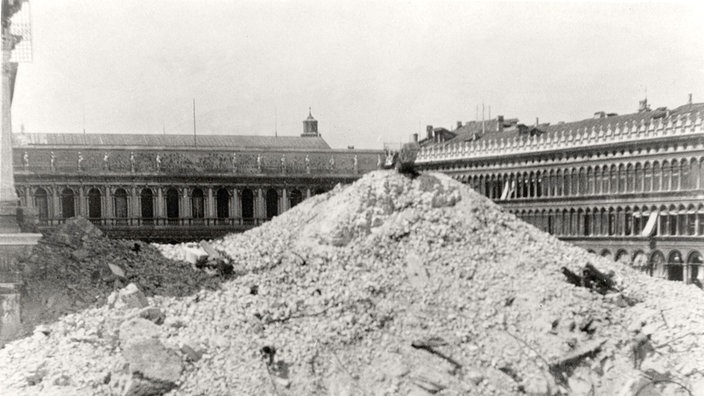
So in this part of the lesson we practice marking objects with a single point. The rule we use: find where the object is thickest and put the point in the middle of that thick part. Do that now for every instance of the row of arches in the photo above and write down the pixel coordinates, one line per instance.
(647, 176)
(672, 265)
(176, 202)
(672, 220)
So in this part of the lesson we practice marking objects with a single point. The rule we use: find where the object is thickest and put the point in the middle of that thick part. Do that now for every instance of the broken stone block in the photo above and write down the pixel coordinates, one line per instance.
(193, 255)
(155, 368)
(128, 297)
(80, 254)
(191, 354)
(210, 251)
(153, 314)
(117, 270)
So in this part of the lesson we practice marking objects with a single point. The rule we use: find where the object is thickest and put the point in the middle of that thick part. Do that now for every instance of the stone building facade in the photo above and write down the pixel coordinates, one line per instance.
(177, 187)
(629, 187)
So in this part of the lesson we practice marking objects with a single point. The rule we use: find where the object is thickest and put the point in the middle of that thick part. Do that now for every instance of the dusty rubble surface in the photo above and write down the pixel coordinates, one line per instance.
(387, 286)
(75, 267)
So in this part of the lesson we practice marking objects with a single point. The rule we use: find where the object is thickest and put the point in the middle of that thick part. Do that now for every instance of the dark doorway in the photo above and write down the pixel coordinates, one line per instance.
(197, 206)
(68, 208)
(147, 203)
(172, 205)
(94, 206)
(121, 206)
(41, 202)
(674, 267)
(272, 203)
(247, 206)
(223, 204)
(295, 198)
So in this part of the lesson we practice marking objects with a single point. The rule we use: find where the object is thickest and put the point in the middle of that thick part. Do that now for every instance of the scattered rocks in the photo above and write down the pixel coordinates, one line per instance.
(155, 368)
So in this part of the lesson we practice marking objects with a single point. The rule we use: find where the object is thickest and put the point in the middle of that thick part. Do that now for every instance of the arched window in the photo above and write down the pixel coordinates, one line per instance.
(606, 253)
(675, 175)
(147, 204)
(691, 220)
(295, 197)
(630, 178)
(682, 221)
(223, 203)
(597, 180)
(658, 264)
(612, 222)
(582, 190)
(666, 173)
(621, 178)
(575, 182)
(685, 180)
(41, 202)
(657, 176)
(559, 182)
(638, 176)
(628, 221)
(613, 186)
(664, 221)
(247, 206)
(197, 204)
(120, 199)
(587, 225)
(640, 261)
(622, 257)
(68, 203)
(695, 268)
(674, 266)
(673, 220)
(94, 204)
(647, 177)
(172, 206)
(272, 203)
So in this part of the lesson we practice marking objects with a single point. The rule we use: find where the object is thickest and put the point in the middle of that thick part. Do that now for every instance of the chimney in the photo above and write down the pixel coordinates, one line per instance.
(459, 124)
(643, 106)
(429, 131)
(537, 121)
(415, 138)
(690, 100)
(599, 114)
(500, 123)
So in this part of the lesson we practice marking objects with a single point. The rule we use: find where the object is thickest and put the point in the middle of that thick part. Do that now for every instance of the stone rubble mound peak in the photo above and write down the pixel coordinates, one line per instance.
(387, 286)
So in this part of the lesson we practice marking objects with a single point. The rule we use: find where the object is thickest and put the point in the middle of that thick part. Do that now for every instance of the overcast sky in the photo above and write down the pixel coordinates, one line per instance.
(372, 72)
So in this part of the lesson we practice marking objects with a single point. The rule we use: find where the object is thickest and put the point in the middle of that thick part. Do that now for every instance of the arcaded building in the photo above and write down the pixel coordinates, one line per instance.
(627, 187)
(177, 187)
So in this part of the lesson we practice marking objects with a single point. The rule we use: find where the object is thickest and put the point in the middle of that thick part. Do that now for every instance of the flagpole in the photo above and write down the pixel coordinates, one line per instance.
(195, 142)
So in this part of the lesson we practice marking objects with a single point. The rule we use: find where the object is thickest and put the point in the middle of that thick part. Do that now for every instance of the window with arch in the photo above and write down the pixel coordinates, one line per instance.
(638, 178)
(657, 177)
(41, 202)
(197, 204)
(94, 204)
(675, 175)
(68, 203)
(120, 200)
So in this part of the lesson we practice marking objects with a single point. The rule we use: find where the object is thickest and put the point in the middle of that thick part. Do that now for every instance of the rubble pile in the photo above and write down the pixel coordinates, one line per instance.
(389, 286)
(75, 267)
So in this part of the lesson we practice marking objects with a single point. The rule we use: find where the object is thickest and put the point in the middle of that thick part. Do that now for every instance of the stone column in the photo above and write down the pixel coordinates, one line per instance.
(210, 208)
(109, 213)
(235, 204)
(159, 202)
(284, 201)
(260, 205)
(82, 202)
(56, 205)
(308, 192)
(8, 196)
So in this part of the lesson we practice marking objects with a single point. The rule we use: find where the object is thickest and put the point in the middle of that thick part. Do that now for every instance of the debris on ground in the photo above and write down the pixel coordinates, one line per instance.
(389, 286)
(75, 267)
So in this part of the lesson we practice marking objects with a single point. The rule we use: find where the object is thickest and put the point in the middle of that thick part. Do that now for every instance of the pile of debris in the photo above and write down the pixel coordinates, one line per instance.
(391, 285)
(75, 267)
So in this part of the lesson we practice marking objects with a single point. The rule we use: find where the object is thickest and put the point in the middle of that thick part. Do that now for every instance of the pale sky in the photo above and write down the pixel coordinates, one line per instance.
(372, 71)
